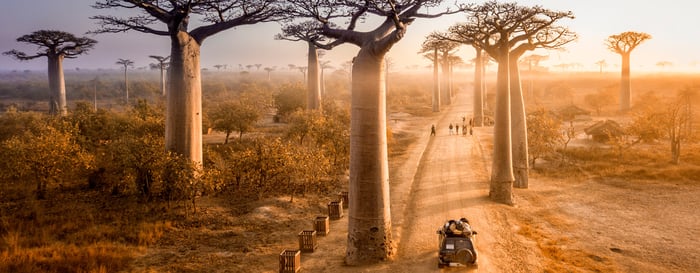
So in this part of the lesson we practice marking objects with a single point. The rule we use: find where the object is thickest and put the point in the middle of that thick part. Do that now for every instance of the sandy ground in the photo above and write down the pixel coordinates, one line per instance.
(578, 225)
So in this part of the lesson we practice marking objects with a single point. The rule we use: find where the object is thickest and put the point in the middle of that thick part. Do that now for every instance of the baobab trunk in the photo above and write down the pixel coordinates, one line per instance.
(183, 122)
(162, 80)
(313, 97)
(369, 223)
(445, 91)
(625, 84)
(478, 115)
(518, 127)
(436, 82)
(484, 92)
(57, 86)
(501, 188)
(126, 85)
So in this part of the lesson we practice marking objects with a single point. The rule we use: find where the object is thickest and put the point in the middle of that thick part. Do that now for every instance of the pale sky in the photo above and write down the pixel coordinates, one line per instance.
(673, 24)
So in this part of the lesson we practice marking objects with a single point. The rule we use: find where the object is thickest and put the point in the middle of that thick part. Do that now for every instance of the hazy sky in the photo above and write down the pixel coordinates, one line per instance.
(673, 24)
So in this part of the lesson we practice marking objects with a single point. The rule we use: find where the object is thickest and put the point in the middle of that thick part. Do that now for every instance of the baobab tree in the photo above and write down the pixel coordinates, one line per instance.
(307, 31)
(183, 125)
(269, 70)
(664, 64)
(126, 63)
(55, 46)
(623, 44)
(162, 65)
(369, 223)
(601, 64)
(302, 70)
(460, 35)
(506, 31)
(430, 44)
(532, 61)
(445, 48)
(324, 65)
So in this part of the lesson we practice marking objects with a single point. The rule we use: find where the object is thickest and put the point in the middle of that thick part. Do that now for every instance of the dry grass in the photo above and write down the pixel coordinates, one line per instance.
(547, 230)
(74, 231)
(645, 162)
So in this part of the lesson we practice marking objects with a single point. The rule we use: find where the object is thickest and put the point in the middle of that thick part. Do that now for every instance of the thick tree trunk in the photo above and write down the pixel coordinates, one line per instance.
(625, 84)
(57, 86)
(445, 95)
(369, 224)
(501, 188)
(436, 83)
(162, 80)
(126, 85)
(183, 122)
(478, 115)
(484, 92)
(313, 97)
(323, 85)
(518, 127)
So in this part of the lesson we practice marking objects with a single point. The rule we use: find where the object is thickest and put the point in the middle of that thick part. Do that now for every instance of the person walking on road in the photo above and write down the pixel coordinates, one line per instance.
(432, 130)
(457, 129)
(451, 127)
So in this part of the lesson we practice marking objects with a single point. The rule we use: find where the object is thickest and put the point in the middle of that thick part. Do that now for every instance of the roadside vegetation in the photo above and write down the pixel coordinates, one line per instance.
(95, 190)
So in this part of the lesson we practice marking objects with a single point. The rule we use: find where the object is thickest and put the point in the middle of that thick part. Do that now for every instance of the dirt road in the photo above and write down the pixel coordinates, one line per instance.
(557, 225)
(441, 177)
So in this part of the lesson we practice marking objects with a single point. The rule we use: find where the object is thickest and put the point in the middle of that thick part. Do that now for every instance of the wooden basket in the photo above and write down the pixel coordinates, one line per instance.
(307, 241)
(290, 261)
(322, 225)
(335, 209)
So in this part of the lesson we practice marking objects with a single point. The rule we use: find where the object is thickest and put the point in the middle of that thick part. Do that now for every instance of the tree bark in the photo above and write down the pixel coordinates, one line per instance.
(444, 81)
(126, 85)
(501, 188)
(162, 80)
(436, 82)
(518, 126)
(369, 223)
(313, 98)
(625, 84)
(57, 86)
(478, 115)
(183, 123)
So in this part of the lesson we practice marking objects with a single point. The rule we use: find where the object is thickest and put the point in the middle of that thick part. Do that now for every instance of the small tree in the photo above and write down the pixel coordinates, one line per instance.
(599, 100)
(46, 157)
(126, 63)
(303, 123)
(543, 134)
(232, 116)
(55, 46)
(675, 121)
(289, 99)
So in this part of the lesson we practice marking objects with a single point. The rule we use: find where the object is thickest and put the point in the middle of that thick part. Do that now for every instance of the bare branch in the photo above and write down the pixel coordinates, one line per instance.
(23, 56)
(625, 42)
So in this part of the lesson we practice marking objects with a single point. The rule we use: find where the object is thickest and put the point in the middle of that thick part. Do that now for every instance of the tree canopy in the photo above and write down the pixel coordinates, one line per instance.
(53, 43)
(625, 42)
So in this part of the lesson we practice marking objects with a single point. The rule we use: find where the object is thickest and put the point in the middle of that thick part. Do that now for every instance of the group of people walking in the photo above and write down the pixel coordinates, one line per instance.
(454, 128)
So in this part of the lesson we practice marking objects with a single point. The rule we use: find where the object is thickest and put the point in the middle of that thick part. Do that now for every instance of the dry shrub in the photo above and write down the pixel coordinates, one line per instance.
(149, 233)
